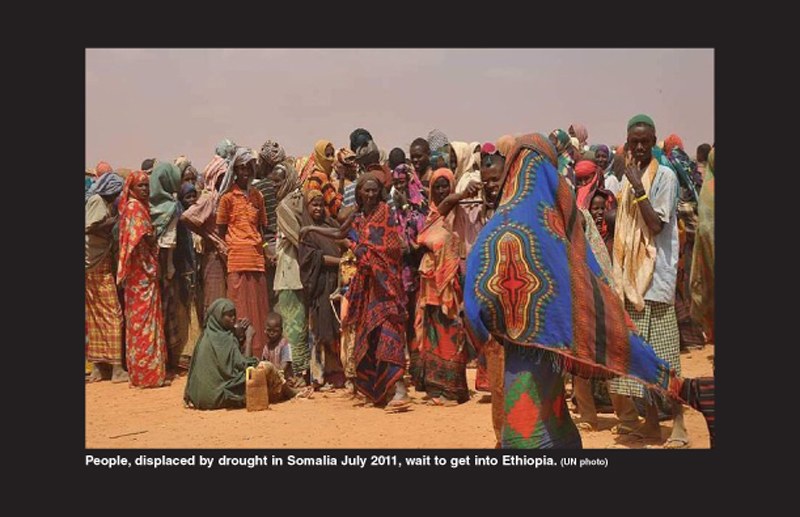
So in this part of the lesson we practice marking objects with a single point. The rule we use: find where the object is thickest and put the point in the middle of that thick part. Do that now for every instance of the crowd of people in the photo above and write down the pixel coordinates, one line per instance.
(536, 258)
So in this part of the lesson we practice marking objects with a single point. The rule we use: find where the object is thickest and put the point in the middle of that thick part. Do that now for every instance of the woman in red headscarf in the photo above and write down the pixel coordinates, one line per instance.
(439, 352)
(587, 180)
(590, 184)
(671, 143)
(138, 274)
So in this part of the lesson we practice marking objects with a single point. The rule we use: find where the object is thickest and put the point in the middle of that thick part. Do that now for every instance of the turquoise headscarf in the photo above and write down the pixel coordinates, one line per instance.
(165, 181)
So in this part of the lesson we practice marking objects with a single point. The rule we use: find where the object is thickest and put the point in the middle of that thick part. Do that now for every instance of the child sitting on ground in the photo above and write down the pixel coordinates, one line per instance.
(276, 359)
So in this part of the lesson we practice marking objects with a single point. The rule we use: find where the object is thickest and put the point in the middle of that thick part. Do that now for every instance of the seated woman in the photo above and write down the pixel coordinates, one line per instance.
(217, 372)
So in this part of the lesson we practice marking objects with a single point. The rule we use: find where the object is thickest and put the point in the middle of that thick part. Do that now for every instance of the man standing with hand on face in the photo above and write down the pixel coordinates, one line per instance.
(646, 267)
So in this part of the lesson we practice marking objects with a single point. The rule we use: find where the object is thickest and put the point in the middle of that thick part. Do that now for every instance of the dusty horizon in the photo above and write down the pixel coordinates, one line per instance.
(162, 103)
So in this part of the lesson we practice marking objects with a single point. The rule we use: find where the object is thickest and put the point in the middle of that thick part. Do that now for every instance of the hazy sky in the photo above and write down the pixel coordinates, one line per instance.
(144, 103)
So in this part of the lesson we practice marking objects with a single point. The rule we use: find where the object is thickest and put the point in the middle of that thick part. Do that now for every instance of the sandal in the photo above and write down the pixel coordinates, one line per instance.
(436, 401)
(622, 429)
(305, 393)
(397, 406)
(586, 426)
(676, 443)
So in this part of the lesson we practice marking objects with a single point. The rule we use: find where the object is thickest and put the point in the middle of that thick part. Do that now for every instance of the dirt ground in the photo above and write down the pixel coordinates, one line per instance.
(118, 416)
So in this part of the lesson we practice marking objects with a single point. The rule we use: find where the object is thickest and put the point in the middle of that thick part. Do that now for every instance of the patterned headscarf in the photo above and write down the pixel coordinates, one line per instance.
(102, 168)
(129, 192)
(109, 184)
(345, 160)
(505, 144)
(437, 140)
(562, 139)
(414, 185)
(131, 230)
(272, 153)
(537, 284)
(216, 168)
(311, 194)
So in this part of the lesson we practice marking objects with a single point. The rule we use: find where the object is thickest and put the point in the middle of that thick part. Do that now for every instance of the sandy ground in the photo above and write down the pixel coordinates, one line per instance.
(118, 416)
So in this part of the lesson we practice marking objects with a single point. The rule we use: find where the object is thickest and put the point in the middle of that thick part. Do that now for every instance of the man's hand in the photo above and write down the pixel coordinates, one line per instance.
(634, 175)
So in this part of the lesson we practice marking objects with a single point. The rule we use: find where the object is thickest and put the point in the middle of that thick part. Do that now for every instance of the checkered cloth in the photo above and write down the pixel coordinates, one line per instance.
(172, 333)
(103, 316)
(658, 326)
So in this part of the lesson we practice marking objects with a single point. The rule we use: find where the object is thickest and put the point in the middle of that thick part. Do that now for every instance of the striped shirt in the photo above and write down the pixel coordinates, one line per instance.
(349, 195)
(267, 189)
(243, 215)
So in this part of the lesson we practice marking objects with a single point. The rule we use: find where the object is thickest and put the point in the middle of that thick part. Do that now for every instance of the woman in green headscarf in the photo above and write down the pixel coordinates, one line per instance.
(217, 372)
(165, 211)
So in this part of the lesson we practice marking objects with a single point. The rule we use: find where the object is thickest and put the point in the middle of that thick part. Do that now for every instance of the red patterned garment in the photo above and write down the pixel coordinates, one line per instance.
(138, 273)
(439, 353)
(377, 304)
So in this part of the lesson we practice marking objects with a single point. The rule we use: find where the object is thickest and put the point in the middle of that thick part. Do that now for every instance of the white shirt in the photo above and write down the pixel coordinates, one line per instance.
(613, 185)
(663, 197)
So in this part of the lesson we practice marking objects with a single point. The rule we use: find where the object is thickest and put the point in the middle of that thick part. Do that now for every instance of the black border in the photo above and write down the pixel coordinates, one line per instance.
(668, 468)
